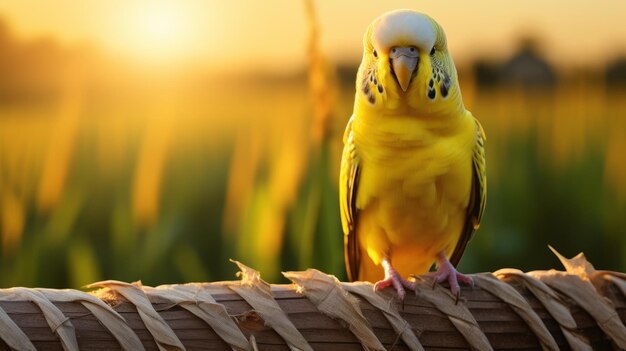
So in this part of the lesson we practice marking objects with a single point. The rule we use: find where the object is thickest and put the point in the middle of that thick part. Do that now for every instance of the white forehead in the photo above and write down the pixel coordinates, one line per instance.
(403, 27)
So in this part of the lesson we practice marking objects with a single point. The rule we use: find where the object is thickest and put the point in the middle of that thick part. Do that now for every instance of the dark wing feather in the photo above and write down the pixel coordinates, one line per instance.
(348, 185)
(478, 196)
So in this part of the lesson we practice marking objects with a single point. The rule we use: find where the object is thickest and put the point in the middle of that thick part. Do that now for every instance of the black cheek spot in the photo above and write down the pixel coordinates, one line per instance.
(432, 93)
(444, 90)
(380, 89)
(366, 89)
(375, 81)
(372, 99)
(371, 78)
(431, 83)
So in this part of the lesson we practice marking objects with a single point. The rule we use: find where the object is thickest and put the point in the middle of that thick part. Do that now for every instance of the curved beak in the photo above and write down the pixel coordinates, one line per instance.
(404, 61)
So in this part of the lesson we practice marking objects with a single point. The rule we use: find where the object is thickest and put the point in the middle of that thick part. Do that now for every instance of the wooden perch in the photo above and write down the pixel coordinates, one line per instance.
(580, 309)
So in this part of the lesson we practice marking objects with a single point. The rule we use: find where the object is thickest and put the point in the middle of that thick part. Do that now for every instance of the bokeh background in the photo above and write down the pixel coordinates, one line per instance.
(155, 140)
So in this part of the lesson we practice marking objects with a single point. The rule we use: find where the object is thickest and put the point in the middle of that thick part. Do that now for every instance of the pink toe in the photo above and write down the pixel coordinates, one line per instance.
(382, 284)
(440, 278)
(398, 286)
(465, 279)
(454, 284)
(401, 294)
(409, 285)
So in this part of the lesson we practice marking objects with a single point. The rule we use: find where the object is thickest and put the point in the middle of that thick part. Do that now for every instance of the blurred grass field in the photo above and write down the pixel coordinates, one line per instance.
(116, 171)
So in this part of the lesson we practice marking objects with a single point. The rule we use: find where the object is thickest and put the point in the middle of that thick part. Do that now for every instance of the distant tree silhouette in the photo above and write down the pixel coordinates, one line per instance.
(346, 73)
(616, 73)
(6, 45)
(32, 71)
(487, 73)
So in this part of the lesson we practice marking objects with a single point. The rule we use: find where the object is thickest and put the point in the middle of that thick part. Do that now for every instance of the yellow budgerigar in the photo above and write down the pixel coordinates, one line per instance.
(412, 182)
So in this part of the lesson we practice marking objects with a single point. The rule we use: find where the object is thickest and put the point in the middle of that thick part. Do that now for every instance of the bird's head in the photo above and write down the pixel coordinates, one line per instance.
(406, 65)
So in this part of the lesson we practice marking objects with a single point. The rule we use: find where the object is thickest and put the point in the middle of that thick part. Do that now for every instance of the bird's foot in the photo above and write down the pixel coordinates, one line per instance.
(447, 272)
(393, 278)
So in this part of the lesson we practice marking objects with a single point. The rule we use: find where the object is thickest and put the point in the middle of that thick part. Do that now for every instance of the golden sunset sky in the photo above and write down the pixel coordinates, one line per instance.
(272, 33)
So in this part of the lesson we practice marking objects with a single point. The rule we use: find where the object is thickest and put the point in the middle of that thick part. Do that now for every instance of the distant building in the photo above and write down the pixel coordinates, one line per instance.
(526, 69)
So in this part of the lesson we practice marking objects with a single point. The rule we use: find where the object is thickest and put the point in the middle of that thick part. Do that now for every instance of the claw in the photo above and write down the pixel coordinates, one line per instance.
(447, 272)
(393, 278)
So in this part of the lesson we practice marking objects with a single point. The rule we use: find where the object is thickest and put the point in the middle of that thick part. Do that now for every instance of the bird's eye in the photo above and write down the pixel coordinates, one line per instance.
(432, 51)
(375, 53)
(412, 49)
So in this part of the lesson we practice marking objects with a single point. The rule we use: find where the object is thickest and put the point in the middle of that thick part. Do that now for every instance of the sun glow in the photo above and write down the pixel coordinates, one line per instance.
(162, 24)
(160, 31)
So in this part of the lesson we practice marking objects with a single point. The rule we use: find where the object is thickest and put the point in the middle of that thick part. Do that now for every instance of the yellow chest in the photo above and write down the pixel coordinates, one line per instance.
(399, 154)
(414, 178)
